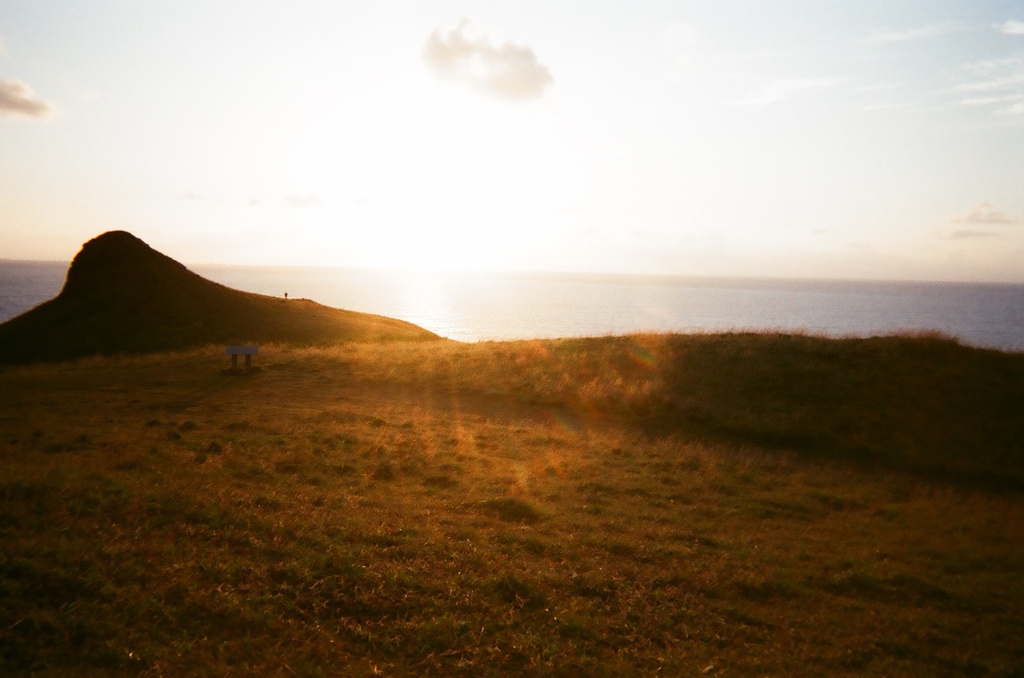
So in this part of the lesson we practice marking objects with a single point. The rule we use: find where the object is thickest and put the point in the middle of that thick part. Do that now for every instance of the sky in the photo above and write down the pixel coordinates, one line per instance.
(865, 139)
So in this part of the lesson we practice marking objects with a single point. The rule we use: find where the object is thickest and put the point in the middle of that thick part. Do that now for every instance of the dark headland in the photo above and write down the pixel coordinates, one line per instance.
(122, 296)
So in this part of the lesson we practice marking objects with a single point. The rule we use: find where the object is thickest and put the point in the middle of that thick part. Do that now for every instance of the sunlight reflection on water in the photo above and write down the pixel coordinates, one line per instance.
(483, 306)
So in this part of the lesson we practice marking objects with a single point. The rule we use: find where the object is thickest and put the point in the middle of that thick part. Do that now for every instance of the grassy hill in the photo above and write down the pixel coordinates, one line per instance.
(121, 296)
(715, 504)
(924, 404)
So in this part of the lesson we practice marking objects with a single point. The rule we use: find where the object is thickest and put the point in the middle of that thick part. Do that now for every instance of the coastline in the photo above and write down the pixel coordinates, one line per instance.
(481, 307)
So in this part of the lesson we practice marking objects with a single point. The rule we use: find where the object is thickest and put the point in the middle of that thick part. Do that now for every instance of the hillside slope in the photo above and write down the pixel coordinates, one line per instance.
(122, 296)
(643, 505)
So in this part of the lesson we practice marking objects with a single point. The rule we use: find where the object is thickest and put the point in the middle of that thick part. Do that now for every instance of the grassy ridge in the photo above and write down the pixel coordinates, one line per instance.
(922, 404)
(609, 506)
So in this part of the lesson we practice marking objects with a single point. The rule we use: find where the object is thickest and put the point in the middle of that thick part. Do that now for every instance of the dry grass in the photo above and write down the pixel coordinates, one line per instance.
(501, 508)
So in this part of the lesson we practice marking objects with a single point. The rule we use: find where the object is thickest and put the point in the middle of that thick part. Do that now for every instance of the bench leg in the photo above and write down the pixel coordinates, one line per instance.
(234, 363)
(248, 362)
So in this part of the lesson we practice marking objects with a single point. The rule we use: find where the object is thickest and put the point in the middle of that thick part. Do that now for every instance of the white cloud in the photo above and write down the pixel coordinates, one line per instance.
(994, 83)
(17, 98)
(310, 200)
(778, 90)
(912, 34)
(997, 82)
(983, 101)
(1011, 27)
(971, 235)
(989, 66)
(507, 71)
(985, 214)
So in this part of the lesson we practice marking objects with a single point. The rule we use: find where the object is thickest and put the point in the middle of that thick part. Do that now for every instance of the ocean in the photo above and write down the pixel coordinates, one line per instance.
(499, 306)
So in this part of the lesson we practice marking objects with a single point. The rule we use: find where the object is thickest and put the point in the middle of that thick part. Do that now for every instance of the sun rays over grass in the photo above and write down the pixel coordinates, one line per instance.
(909, 402)
(464, 509)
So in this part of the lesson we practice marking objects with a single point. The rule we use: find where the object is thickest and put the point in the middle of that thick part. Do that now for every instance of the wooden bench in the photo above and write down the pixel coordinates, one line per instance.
(248, 350)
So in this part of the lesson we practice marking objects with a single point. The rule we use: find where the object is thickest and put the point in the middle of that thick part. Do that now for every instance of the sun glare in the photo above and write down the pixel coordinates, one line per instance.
(466, 184)
(665, 139)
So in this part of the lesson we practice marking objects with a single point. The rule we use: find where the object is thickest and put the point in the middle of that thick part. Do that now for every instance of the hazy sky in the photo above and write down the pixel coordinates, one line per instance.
(857, 139)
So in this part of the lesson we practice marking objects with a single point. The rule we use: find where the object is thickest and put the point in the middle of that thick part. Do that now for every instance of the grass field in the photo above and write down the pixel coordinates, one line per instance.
(683, 505)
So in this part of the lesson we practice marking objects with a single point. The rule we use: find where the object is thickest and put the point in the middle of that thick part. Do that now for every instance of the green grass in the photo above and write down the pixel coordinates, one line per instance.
(741, 504)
